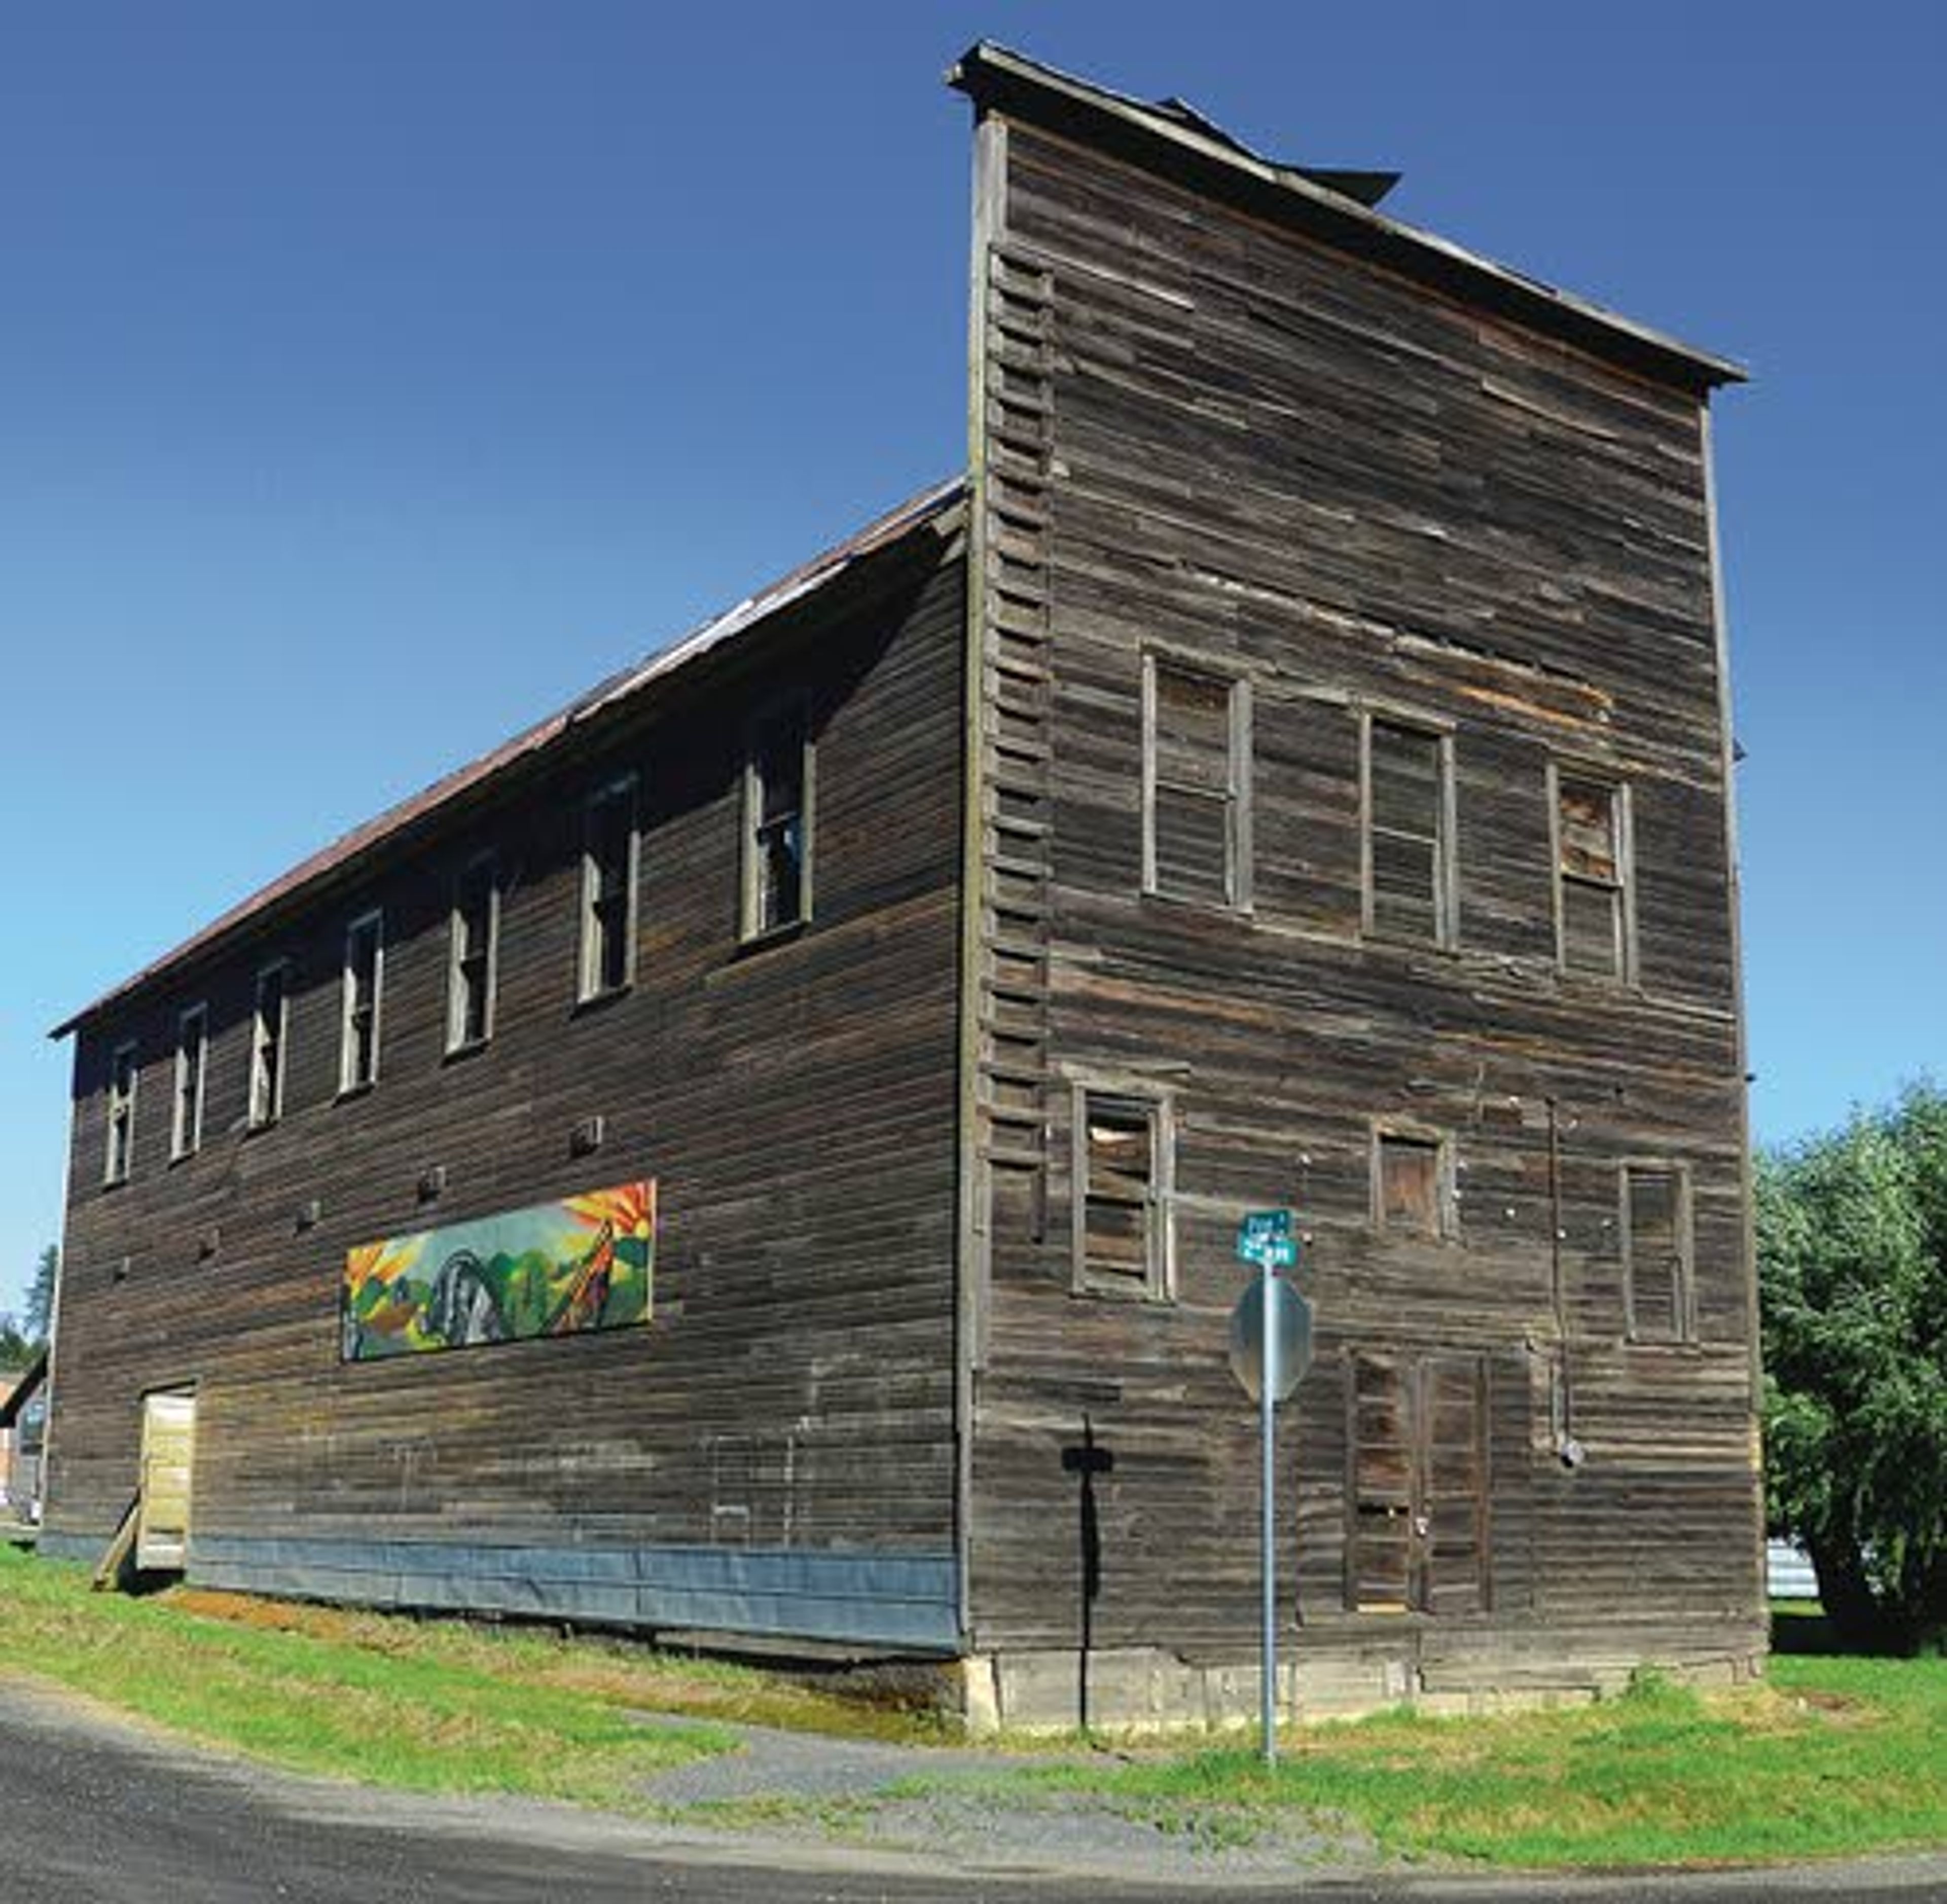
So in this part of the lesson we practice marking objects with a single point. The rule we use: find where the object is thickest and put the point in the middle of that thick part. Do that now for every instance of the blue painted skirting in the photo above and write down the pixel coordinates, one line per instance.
(909, 1601)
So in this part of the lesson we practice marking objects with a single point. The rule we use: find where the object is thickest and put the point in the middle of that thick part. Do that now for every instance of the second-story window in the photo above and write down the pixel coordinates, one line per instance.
(192, 1064)
(1591, 875)
(1196, 778)
(1409, 832)
(777, 822)
(365, 977)
(123, 1074)
(474, 958)
(268, 1022)
(608, 890)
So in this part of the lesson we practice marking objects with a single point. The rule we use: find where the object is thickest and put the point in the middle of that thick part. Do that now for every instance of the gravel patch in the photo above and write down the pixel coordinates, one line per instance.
(802, 1766)
(799, 1787)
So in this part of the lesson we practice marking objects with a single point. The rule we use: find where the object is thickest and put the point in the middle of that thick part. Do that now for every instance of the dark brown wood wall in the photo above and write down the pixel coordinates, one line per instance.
(1197, 430)
(795, 1102)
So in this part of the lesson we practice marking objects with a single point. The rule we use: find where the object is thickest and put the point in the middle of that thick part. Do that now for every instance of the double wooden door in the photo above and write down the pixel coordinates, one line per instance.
(1417, 1539)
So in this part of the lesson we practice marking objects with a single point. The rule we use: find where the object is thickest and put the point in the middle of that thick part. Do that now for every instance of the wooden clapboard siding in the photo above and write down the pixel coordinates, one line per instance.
(1368, 499)
(793, 1100)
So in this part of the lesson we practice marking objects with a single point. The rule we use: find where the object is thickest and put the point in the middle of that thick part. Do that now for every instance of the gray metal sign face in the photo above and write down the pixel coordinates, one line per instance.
(1290, 1339)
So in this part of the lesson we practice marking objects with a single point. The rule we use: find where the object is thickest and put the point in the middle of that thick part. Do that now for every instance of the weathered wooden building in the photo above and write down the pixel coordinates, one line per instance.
(808, 1087)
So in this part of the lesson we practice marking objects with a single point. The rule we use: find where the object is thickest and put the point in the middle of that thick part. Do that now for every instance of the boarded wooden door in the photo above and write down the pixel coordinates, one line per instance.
(169, 1455)
(1418, 1540)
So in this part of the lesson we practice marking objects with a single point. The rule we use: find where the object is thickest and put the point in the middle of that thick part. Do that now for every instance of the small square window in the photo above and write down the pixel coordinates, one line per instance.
(1411, 1195)
(1122, 1194)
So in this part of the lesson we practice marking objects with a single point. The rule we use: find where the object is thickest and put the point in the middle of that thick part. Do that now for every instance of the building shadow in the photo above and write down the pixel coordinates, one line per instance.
(1085, 1462)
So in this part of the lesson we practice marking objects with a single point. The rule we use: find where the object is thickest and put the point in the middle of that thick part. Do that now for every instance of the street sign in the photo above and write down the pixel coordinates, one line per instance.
(1287, 1329)
(1270, 1349)
(1265, 1238)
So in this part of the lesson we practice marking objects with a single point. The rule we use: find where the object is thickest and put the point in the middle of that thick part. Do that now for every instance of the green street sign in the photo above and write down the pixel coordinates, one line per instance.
(1266, 1240)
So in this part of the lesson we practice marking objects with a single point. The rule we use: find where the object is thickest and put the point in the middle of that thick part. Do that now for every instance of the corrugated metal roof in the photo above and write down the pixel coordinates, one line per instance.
(913, 514)
(1331, 205)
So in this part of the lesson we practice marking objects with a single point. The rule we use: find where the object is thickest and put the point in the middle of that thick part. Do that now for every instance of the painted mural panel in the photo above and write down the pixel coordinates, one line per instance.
(556, 1269)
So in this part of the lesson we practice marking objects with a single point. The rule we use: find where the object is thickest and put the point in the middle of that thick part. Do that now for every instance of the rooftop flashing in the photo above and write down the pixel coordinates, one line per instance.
(1330, 206)
(353, 848)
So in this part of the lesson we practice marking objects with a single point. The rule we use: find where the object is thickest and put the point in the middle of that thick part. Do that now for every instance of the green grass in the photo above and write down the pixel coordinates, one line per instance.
(1832, 1757)
(381, 1702)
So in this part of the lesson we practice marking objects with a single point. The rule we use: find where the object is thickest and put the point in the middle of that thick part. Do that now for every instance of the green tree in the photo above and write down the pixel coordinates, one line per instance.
(1852, 1262)
(16, 1349)
(40, 1311)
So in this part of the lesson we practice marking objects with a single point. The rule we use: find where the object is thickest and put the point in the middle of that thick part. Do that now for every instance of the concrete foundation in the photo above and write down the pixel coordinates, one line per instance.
(1152, 1690)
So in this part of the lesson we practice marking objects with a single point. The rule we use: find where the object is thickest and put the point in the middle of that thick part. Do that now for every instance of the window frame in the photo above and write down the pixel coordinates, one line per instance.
(1239, 876)
(751, 925)
(118, 1160)
(1622, 823)
(260, 1115)
(459, 952)
(590, 986)
(1158, 1281)
(191, 1082)
(349, 1083)
(1447, 858)
(1684, 1223)
(1446, 1186)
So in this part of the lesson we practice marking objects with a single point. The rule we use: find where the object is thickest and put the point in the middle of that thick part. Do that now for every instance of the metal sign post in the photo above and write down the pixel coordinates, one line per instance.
(1270, 1349)
(1267, 1521)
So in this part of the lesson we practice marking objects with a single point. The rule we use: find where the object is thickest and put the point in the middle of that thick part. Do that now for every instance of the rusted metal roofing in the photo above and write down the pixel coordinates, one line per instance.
(750, 613)
(1368, 187)
(1335, 207)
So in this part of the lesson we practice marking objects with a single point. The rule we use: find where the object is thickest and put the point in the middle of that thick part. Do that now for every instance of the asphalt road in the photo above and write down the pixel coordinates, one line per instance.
(94, 1813)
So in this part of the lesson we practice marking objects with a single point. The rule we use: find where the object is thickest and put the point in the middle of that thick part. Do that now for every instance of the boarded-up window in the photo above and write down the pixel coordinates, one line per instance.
(1195, 784)
(1417, 1439)
(1121, 1165)
(121, 1147)
(1592, 876)
(1410, 1183)
(192, 1064)
(608, 890)
(364, 964)
(1656, 1252)
(267, 1045)
(1409, 873)
(474, 967)
(777, 840)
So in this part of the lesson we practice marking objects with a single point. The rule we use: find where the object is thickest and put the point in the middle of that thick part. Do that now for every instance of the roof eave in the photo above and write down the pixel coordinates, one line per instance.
(353, 850)
(997, 78)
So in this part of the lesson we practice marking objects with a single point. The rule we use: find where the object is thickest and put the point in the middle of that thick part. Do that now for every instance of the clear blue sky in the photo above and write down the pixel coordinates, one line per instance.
(373, 377)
